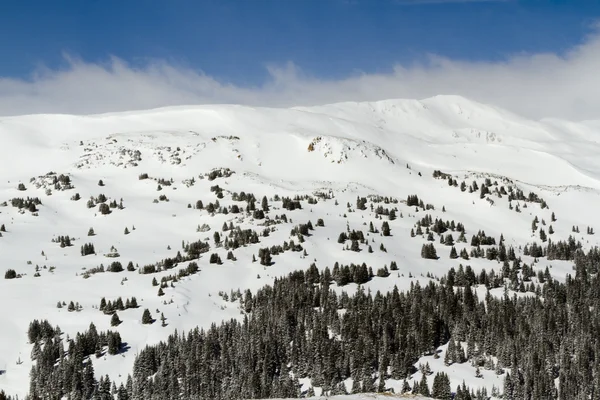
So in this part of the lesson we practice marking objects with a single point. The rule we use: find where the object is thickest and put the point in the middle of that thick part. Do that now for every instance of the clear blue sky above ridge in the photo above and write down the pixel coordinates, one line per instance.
(233, 41)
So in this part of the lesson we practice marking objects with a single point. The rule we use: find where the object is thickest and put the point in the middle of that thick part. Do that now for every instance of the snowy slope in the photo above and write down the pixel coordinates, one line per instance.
(369, 397)
(388, 148)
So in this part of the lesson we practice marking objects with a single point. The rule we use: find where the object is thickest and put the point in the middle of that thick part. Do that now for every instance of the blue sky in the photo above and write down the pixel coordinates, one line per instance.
(234, 40)
(538, 58)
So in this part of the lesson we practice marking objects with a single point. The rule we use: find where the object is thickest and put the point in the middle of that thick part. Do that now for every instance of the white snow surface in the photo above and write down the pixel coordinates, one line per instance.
(350, 149)
(367, 396)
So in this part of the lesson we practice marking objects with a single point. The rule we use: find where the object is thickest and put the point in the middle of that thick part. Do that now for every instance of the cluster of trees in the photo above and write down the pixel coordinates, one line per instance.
(191, 269)
(518, 194)
(290, 204)
(428, 251)
(10, 274)
(72, 306)
(65, 241)
(295, 325)
(30, 203)
(353, 235)
(115, 266)
(87, 249)
(482, 240)
(109, 307)
(559, 250)
(62, 182)
(219, 173)
(61, 370)
(438, 226)
(215, 259)
(103, 207)
(238, 237)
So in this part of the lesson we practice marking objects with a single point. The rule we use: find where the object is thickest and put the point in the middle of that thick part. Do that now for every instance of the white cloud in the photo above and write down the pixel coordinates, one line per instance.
(535, 85)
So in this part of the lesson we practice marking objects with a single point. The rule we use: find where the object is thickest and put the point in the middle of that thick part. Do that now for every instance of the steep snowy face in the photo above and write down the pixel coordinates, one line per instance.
(140, 187)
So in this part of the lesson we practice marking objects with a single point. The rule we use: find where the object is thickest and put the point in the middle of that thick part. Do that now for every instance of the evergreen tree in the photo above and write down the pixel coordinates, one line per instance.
(147, 317)
(114, 320)
(453, 253)
(441, 387)
(385, 228)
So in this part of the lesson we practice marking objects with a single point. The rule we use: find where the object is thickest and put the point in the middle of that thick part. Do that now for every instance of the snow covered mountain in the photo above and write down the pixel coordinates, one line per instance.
(141, 186)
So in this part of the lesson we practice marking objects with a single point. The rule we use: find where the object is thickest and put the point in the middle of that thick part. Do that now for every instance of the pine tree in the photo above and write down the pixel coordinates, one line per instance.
(424, 387)
(441, 387)
(405, 387)
(453, 254)
(385, 228)
(147, 317)
(114, 320)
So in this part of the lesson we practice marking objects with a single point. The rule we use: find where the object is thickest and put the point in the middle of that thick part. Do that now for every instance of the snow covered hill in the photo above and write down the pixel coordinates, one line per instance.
(147, 184)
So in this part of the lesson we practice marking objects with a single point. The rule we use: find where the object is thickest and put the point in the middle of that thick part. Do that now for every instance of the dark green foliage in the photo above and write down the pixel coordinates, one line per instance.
(385, 229)
(361, 203)
(215, 259)
(65, 241)
(290, 204)
(264, 204)
(114, 320)
(412, 200)
(10, 274)
(441, 387)
(453, 253)
(428, 251)
(147, 317)
(264, 255)
(482, 240)
(40, 330)
(29, 203)
(104, 209)
(87, 248)
(47, 380)
(4, 396)
(194, 249)
(115, 266)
